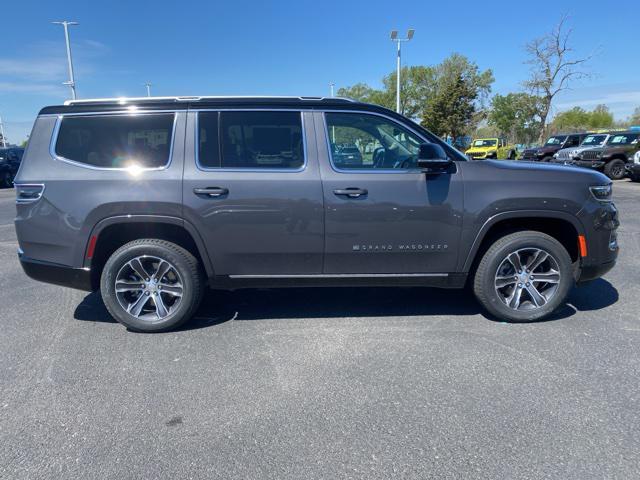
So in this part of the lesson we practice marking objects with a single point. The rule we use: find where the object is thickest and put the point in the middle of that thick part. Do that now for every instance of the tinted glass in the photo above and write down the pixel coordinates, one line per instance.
(359, 141)
(256, 140)
(556, 140)
(116, 141)
(484, 142)
(208, 144)
(623, 139)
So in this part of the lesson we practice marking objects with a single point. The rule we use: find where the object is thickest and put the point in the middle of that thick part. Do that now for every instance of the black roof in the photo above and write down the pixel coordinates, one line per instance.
(169, 103)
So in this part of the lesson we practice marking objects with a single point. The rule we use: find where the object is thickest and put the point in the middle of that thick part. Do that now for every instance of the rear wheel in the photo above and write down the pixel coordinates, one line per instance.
(152, 285)
(615, 169)
(523, 277)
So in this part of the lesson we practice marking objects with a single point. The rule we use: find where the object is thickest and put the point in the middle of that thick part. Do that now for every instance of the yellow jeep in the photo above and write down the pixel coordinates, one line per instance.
(496, 148)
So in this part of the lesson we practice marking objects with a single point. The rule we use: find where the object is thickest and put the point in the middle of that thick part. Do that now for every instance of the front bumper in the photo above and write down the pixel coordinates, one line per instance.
(588, 163)
(79, 278)
(601, 222)
(633, 169)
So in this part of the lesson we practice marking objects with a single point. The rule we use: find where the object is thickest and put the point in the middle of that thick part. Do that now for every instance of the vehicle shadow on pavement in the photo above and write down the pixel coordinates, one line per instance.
(284, 303)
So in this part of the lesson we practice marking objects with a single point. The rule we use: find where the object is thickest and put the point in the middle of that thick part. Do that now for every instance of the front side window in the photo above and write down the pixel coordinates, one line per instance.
(116, 141)
(251, 140)
(359, 141)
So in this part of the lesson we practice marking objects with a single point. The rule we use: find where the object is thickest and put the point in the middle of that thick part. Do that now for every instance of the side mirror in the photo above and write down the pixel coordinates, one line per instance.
(433, 158)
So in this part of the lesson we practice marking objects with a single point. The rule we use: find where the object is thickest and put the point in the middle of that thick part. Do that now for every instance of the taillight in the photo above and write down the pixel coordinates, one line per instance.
(29, 192)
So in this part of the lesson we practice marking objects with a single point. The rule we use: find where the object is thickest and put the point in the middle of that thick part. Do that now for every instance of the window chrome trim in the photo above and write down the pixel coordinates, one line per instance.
(196, 145)
(368, 170)
(56, 131)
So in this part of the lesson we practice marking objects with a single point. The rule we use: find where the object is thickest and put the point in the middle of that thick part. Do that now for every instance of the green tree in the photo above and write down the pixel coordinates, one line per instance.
(422, 85)
(516, 116)
(451, 111)
(578, 118)
(635, 117)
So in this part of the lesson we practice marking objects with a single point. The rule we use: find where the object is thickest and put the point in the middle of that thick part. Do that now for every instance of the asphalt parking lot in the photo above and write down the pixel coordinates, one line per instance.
(322, 383)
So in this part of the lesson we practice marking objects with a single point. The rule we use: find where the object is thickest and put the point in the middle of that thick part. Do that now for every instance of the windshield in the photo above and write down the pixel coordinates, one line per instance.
(484, 142)
(627, 139)
(556, 140)
(594, 140)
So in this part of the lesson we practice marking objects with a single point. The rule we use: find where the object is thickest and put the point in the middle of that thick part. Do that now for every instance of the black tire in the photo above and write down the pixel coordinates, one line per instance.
(512, 156)
(185, 268)
(484, 285)
(546, 159)
(7, 179)
(615, 169)
(635, 178)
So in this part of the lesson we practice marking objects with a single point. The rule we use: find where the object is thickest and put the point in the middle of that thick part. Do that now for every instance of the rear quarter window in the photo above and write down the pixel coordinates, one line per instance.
(116, 141)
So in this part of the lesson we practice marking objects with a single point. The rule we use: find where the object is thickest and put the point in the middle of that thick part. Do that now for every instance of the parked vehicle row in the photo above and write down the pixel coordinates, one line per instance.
(10, 158)
(151, 200)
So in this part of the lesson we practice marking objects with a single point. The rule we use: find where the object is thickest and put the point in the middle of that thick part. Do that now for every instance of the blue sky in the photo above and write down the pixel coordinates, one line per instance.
(293, 47)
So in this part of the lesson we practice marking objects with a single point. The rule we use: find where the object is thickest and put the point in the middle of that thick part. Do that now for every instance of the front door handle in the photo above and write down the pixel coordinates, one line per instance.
(351, 192)
(211, 191)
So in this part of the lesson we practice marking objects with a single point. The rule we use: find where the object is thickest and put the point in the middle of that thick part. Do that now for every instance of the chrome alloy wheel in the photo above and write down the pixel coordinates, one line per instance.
(527, 279)
(148, 288)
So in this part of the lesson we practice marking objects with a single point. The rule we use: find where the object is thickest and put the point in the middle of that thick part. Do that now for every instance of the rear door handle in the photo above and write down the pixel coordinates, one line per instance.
(211, 191)
(351, 192)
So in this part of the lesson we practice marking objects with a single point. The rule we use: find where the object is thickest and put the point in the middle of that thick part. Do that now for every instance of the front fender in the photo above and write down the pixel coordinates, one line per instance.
(519, 214)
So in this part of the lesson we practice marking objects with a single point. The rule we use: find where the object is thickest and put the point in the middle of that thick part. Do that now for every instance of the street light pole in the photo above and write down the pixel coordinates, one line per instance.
(4, 140)
(71, 83)
(395, 38)
(148, 85)
(331, 85)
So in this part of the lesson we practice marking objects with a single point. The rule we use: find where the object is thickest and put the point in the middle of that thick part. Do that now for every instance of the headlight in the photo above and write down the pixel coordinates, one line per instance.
(602, 193)
(555, 155)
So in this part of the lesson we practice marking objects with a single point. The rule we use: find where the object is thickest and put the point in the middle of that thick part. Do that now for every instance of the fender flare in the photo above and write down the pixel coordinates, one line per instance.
(159, 219)
(493, 220)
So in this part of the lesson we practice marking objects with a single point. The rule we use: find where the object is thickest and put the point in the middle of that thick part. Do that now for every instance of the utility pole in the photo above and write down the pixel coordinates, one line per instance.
(148, 85)
(4, 140)
(395, 38)
(72, 82)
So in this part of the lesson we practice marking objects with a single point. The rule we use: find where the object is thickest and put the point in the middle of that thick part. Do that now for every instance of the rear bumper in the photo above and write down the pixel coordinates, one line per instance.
(79, 278)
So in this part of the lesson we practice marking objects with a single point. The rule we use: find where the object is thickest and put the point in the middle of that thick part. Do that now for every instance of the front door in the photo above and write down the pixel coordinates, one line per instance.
(252, 189)
(383, 215)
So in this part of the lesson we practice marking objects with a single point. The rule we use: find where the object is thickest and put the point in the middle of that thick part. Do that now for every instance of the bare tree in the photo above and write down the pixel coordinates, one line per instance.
(553, 68)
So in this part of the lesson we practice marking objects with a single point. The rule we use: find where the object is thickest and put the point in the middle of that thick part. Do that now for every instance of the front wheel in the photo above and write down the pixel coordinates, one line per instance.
(7, 179)
(523, 277)
(151, 285)
(615, 169)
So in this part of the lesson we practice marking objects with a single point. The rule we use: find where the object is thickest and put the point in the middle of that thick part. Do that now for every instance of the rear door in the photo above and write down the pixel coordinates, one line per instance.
(253, 191)
(383, 215)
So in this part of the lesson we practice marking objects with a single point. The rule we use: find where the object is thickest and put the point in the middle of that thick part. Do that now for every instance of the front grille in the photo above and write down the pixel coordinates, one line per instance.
(528, 154)
(589, 155)
(563, 155)
(477, 154)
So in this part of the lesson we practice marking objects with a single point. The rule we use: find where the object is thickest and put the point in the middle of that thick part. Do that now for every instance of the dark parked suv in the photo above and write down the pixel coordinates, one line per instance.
(10, 158)
(553, 145)
(152, 200)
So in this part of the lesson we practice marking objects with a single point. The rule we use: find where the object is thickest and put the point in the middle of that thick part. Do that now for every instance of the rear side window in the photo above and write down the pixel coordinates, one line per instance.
(252, 140)
(116, 141)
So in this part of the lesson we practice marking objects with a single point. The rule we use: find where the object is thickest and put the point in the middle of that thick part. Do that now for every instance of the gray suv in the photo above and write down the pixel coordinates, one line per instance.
(152, 200)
